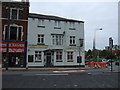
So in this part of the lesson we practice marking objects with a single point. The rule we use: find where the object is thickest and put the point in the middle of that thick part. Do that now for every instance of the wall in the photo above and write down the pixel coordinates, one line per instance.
(119, 23)
(33, 32)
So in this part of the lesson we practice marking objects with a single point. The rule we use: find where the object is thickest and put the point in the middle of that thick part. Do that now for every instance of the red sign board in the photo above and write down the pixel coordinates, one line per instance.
(16, 47)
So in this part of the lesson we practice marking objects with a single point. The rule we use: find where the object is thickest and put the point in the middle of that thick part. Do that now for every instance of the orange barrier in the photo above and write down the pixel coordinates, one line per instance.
(97, 64)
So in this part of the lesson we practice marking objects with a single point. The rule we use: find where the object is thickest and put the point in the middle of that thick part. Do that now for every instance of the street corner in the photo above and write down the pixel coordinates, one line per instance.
(70, 71)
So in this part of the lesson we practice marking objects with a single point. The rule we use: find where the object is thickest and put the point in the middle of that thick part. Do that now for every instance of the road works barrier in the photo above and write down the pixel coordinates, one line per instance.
(97, 64)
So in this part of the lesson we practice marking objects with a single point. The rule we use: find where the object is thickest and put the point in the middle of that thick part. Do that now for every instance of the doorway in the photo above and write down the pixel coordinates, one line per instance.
(48, 59)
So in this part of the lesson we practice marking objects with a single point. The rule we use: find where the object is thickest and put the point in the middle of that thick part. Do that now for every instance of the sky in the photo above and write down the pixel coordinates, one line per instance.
(95, 13)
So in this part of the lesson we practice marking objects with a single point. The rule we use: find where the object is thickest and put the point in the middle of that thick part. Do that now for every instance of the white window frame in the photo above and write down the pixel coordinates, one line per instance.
(59, 53)
(72, 38)
(57, 23)
(10, 31)
(40, 38)
(57, 39)
(69, 54)
(39, 53)
(17, 12)
(41, 22)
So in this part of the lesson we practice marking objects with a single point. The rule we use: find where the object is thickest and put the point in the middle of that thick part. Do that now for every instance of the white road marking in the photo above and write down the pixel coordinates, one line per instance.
(51, 74)
(69, 71)
(75, 85)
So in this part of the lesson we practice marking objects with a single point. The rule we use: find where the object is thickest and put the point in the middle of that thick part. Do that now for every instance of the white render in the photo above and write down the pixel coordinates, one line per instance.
(33, 32)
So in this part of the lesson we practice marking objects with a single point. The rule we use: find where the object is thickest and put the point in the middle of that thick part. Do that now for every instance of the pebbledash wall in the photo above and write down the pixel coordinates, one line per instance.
(54, 41)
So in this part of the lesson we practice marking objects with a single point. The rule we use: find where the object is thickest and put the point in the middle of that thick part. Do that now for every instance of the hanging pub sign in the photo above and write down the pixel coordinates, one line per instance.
(14, 47)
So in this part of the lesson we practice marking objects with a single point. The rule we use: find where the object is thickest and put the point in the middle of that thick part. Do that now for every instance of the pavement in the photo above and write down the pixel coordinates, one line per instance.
(74, 69)
(44, 69)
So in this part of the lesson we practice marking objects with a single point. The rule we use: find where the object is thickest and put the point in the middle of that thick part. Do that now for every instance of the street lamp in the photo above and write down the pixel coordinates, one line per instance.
(94, 48)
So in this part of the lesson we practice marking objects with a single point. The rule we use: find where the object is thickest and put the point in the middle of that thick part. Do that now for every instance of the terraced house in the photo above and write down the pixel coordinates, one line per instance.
(54, 41)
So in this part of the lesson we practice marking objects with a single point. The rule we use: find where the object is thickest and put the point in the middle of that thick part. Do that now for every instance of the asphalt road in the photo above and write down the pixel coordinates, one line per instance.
(50, 79)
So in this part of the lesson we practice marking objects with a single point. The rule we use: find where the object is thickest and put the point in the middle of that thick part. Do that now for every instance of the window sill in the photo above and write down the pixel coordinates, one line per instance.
(72, 29)
(57, 27)
(70, 61)
(59, 61)
(41, 26)
(72, 44)
(40, 44)
(38, 61)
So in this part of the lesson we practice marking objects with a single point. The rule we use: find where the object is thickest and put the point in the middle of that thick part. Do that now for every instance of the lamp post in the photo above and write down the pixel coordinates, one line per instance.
(94, 44)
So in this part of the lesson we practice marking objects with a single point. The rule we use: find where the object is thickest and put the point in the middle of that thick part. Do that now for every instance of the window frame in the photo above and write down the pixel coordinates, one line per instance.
(72, 40)
(72, 26)
(57, 25)
(37, 55)
(6, 26)
(57, 40)
(70, 56)
(41, 23)
(11, 13)
(41, 38)
(59, 55)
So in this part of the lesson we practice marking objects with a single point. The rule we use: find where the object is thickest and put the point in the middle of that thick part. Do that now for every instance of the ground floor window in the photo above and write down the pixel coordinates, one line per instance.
(38, 56)
(69, 56)
(58, 56)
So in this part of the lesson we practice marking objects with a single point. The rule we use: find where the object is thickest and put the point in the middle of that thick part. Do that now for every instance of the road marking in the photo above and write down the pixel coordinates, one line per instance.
(54, 85)
(43, 79)
(75, 85)
(51, 74)
(70, 71)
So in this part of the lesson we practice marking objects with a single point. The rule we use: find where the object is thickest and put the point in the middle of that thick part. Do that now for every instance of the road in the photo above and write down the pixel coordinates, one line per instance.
(57, 79)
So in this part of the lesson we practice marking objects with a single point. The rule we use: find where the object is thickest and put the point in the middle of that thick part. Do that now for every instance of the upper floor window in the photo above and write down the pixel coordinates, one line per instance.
(72, 40)
(15, 33)
(14, 13)
(40, 39)
(57, 39)
(57, 25)
(41, 23)
(72, 26)
(20, 14)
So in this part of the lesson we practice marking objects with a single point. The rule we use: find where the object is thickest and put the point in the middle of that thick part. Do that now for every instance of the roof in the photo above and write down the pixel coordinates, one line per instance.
(50, 17)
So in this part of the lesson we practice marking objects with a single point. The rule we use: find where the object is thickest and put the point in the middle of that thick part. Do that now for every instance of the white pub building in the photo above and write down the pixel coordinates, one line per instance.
(54, 41)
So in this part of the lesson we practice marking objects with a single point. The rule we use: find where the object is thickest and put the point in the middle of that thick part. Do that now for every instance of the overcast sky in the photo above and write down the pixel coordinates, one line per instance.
(95, 14)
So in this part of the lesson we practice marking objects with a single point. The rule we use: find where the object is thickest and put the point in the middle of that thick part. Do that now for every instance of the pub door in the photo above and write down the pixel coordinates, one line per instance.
(48, 60)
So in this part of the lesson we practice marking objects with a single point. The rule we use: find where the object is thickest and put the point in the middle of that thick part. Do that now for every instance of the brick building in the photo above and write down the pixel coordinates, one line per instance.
(13, 28)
